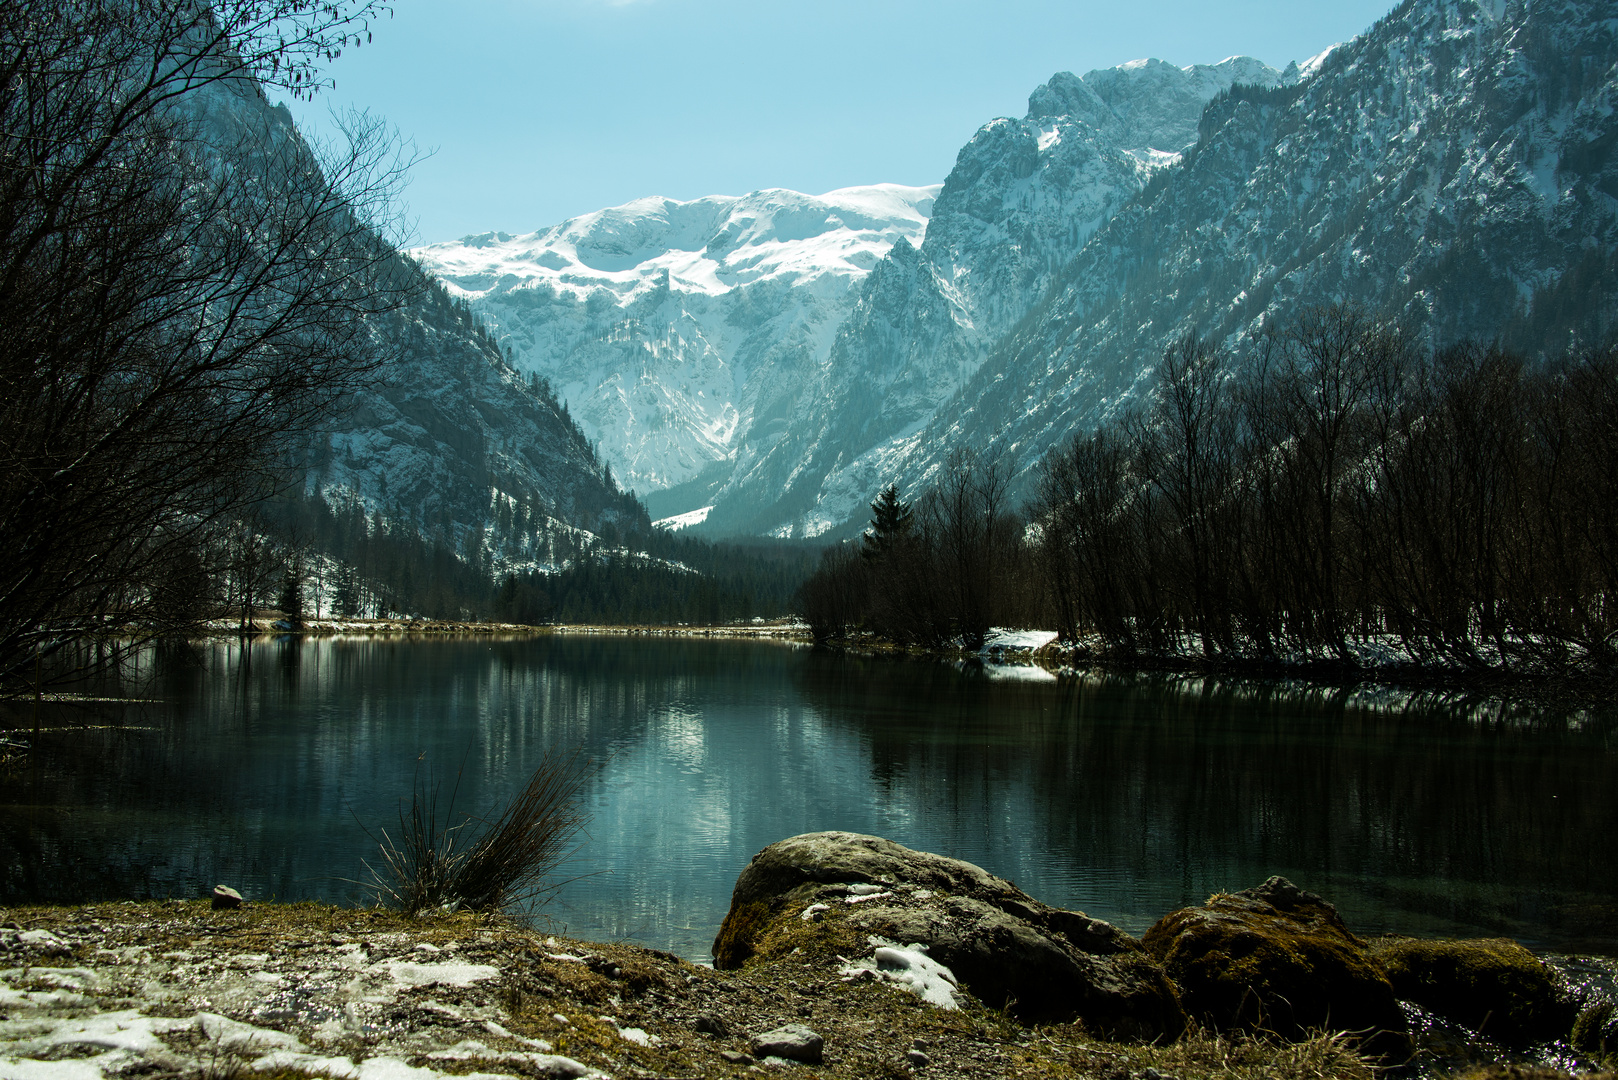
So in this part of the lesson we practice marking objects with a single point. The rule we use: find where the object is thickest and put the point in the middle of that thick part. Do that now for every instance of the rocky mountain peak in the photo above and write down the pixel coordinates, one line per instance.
(1148, 104)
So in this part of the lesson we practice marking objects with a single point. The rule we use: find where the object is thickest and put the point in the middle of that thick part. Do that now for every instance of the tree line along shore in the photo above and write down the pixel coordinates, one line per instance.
(1336, 496)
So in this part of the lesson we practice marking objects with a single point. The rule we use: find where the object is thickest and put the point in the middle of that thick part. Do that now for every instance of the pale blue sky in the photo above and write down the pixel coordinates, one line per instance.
(538, 110)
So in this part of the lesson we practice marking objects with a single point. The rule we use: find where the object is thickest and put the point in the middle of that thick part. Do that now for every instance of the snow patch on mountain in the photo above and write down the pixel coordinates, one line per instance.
(676, 522)
(676, 331)
(708, 246)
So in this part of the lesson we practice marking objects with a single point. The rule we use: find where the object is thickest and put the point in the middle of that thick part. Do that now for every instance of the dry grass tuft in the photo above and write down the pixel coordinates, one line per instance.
(433, 865)
(1202, 1054)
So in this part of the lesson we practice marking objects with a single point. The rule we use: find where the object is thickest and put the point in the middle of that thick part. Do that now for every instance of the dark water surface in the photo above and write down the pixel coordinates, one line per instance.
(1123, 797)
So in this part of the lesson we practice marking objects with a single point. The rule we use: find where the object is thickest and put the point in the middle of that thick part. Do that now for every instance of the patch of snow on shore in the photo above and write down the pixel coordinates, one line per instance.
(1000, 639)
(909, 967)
(1018, 673)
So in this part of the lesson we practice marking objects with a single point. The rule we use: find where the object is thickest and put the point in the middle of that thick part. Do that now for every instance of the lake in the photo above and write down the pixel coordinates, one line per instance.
(1122, 796)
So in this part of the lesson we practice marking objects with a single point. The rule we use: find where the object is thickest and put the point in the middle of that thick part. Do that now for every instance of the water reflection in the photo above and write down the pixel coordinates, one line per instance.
(263, 767)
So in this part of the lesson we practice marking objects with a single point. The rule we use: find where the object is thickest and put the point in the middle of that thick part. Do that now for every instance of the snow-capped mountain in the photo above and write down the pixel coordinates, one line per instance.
(1452, 168)
(766, 364)
(678, 332)
(751, 353)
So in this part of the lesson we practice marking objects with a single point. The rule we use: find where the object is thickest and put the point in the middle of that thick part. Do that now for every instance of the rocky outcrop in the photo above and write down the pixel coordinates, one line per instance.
(1277, 959)
(1005, 947)
(1492, 985)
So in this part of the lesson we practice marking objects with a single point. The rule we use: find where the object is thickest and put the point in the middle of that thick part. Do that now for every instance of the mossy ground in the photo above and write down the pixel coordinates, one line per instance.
(1595, 1030)
(1241, 964)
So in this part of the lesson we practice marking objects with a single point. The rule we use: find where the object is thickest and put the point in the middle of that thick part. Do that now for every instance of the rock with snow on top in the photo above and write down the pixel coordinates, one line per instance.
(1005, 947)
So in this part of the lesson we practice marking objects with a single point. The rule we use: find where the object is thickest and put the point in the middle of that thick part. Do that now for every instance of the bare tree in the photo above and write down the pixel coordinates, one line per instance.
(184, 292)
(1187, 442)
(969, 532)
(1313, 413)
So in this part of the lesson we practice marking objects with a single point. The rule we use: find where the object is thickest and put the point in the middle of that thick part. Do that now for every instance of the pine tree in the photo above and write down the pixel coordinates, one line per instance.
(291, 599)
(890, 522)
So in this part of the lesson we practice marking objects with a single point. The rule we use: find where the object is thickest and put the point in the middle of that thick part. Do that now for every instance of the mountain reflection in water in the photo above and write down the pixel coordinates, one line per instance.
(1121, 796)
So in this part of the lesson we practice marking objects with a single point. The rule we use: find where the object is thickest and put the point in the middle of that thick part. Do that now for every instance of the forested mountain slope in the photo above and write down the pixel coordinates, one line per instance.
(448, 440)
(1452, 168)
(1023, 198)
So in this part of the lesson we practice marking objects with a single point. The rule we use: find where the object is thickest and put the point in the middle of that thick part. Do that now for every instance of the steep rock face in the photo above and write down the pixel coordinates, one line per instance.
(1023, 198)
(1453, 168)
(679, 332)
(453, 431)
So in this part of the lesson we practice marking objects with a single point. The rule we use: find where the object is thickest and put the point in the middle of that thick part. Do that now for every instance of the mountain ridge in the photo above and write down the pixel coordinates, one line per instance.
(656, 320)
(1450, 168)
(1427, 201)
(648, 375)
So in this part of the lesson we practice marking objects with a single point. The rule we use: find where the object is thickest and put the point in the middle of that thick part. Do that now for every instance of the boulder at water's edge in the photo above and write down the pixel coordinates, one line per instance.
(1278, 959)
(1008, 949)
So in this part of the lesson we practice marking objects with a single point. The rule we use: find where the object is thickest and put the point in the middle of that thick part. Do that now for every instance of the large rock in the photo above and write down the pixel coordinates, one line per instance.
(1492, 985)
(1278, 959)
(1006, 948)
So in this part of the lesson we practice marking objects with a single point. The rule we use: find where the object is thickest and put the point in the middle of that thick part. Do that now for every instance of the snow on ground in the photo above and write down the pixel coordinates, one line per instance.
(683, 521)
(1001, 639)
(909, 967)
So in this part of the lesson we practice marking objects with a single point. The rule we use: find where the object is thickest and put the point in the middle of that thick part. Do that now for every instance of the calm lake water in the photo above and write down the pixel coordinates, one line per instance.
(1121, 796)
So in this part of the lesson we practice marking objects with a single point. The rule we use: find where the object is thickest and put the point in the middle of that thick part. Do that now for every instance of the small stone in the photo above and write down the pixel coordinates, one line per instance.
(225, 898)
(917, 1059)
(793, 1042)
(712, 1025)
(736, 1057)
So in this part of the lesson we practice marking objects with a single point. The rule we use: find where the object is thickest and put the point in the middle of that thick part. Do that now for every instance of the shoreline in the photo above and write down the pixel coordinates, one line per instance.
(346, 627)
(1554, 689)
(176, 990)
(1549, 688)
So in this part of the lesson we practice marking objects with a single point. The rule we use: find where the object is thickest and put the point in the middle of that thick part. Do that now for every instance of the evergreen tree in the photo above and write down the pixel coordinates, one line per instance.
(890, 523)
(349, 599)
(291, 600)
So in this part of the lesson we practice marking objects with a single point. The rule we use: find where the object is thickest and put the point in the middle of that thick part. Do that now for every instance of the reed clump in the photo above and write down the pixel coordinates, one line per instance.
(449, 865)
